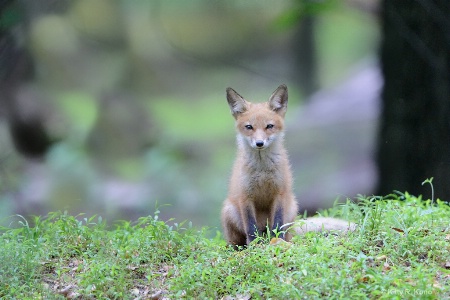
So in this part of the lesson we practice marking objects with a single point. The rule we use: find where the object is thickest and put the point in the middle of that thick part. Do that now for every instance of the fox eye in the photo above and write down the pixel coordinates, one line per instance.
(249, 127)
(269, 126)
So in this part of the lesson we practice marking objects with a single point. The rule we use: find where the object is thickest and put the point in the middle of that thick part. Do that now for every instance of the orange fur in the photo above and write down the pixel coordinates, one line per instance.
(260, 191)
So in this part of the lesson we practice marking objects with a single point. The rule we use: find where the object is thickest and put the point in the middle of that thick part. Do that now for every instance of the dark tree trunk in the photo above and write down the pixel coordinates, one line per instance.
(27, 132)
(414, 137)
(305, 59)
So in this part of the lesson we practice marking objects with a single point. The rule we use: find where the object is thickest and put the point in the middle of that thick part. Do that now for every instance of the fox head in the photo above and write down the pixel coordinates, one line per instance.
(259, 124)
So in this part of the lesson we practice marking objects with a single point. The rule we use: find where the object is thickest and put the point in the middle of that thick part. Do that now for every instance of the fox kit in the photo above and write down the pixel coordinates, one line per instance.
(260, 192)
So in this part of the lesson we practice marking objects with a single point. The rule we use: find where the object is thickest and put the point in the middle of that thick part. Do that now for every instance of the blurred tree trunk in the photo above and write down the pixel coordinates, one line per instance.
(305, 55)
(414, 137)
(26, 128)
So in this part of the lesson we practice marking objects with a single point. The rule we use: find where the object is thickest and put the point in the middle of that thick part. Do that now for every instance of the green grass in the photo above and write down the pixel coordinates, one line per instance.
(400, 250)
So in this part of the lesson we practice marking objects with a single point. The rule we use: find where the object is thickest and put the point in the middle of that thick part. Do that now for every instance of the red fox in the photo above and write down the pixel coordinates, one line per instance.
(260, 191)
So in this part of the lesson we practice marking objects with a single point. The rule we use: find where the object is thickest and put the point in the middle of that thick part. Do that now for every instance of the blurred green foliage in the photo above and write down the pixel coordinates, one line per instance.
(303, 8)
(204, 119)
(135, 91)
(10, 14)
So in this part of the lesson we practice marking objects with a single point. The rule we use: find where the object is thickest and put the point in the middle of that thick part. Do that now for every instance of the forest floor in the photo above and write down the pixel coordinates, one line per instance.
(399, 250)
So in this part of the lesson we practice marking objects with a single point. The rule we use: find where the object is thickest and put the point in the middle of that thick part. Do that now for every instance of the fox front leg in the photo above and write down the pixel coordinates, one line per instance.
(277, 223)
(251, 227)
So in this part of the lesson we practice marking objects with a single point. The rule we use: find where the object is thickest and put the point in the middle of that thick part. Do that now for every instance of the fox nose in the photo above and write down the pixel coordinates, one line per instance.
(259, 144)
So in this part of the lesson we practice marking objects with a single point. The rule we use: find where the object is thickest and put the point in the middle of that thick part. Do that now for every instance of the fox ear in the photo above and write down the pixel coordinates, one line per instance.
(279, 100)
(237, 104)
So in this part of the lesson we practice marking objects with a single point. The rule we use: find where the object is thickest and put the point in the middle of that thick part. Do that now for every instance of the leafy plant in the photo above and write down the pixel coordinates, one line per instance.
(399, 249)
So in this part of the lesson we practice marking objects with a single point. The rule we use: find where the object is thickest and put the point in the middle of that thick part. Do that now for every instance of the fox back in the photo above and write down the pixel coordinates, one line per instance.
(260, 191)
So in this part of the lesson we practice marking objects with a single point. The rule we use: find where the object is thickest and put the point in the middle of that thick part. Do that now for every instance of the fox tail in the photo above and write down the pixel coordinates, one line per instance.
(322, 224)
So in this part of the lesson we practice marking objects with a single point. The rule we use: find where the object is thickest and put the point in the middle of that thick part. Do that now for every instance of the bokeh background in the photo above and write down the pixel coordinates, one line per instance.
(118, 107)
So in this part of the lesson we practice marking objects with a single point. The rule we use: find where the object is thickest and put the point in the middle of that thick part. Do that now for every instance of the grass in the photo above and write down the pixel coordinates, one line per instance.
(398, 251)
